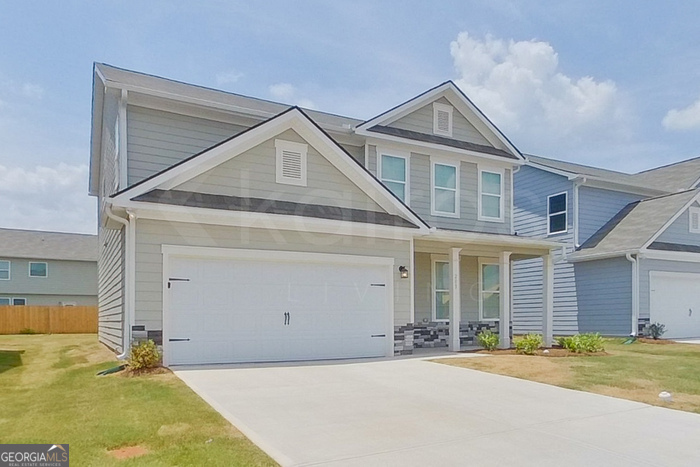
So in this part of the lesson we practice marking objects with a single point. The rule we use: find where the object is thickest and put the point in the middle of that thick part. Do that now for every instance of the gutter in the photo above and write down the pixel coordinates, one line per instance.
(635, 292)
(577, 184)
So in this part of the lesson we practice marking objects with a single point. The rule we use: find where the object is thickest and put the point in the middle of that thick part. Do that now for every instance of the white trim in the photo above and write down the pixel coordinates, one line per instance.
(494, 239)
(383, 151)
(9, 270)
(29, 269)
(481, 217)
(437, 108)
(455, 299)
(122, 154)
(283, 146)
(670, 222)
(480, 282)
(505, 312)
(433, 210)
(412, 279)
(9, 301)
(565, 212)
(635, 293)
(433, 286)
(19, 298)
(577, 212)
(693, 210)
(578, 257)
(671, 256)
(513, 171)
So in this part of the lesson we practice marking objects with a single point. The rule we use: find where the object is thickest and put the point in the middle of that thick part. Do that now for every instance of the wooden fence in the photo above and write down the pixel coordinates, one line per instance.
(48, 319)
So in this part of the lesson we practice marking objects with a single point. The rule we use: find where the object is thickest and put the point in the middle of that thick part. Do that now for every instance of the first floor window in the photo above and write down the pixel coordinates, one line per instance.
(556, 213)
(491, 195)
(445, 189)
(442, 290)
(490, 293)
(19, 301)
(4, 270)
(5, 301)
(393, 174)
(38, 269)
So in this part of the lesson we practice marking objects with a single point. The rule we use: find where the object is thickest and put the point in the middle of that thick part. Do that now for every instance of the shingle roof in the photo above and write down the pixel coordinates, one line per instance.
(35, 244)
(635, 225)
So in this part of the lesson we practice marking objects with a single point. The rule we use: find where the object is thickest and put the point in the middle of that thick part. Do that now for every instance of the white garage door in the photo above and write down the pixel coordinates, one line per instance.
(675, 302)
(250, 310)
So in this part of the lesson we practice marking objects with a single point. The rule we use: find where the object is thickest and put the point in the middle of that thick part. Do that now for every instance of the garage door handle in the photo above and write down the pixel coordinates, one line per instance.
(378, 335)
(286, 319)
(182, 339)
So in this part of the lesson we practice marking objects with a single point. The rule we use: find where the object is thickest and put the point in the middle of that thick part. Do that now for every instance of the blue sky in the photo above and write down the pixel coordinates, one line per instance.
(613, 84)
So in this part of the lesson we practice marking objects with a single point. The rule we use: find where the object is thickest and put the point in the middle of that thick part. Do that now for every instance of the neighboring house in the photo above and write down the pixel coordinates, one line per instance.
(47, 268)
(234, 229)
(630, 247)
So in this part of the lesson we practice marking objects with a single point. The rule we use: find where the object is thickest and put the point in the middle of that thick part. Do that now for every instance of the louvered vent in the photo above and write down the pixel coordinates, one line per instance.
(291, 162)
(291, 165)
(443, 121)
(695, 220)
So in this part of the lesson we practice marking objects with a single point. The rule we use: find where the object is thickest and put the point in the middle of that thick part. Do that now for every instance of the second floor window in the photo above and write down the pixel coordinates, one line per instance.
(491, 195)
(556, 213)
(38, 270)
(445, 190)
(394, 174)
(4, 270)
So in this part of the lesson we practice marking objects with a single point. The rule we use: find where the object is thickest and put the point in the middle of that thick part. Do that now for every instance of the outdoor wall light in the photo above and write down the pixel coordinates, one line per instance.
(404, 272)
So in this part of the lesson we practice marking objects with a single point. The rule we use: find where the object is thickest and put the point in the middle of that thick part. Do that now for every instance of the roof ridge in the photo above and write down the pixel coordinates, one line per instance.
(579, 164)
(667, 195)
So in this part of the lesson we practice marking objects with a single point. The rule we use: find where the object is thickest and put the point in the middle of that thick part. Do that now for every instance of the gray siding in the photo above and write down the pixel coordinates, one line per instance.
(372, 160)
(645, 268)
(152, 234)
(679, 231)
(421, 120)
(598, 206)
(357, 152)
(64, 278)
(111, 288)
(158, 139)
(532, 187)
(253, 174)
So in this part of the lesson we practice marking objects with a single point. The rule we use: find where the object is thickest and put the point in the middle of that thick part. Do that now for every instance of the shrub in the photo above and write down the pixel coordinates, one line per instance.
(657, 330)
(488, 339)
(582, 343)
(144, 355)
(529, 344)
(27, 331)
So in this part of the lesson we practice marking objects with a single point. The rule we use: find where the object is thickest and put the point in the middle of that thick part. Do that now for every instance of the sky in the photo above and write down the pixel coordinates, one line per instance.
(610, 84)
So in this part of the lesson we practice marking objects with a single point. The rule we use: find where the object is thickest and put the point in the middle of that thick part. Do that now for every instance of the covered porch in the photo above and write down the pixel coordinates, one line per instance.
(461, 286)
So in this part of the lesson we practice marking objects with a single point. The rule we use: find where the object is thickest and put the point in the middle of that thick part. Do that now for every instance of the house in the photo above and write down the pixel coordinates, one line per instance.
(47, 268)
(630, 247)
(234, 229)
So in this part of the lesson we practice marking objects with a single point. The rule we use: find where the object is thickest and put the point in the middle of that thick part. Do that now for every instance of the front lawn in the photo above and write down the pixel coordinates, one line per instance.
(50, 394)
(638, 372)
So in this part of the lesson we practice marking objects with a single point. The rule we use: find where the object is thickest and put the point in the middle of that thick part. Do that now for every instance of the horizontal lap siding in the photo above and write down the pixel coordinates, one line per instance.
(679, 231)
(158, 139)
(597, 207)
(111, 288)
(253, 174)
(646, 266)
(151, 235)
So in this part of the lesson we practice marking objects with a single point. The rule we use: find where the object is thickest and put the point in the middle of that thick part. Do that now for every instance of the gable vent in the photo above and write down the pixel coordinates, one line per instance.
(291, 162)
(694, 220)
(442, 119)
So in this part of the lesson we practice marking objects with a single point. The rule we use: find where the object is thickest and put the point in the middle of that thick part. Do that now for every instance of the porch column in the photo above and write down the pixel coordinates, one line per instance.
(455, 306)
(504, 283)
(547, 299)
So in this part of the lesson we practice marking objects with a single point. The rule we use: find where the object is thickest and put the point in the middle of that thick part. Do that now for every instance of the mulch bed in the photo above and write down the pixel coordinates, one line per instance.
(647, 340)
(552, 352)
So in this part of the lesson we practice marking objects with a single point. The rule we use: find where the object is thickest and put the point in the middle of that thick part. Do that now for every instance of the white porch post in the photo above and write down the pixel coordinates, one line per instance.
(455, 306)
(547, 299)
(504, 282)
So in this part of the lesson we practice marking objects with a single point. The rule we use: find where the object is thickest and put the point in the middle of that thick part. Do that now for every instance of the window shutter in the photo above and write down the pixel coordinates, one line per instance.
(291, 165)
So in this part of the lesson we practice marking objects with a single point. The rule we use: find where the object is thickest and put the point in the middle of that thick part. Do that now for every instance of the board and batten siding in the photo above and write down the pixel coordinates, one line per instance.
(151, 235)
(253, 175)
(679, 231)
(110, 290)
(646, 266)
(421, 121)
(532, 187)
(597, 207)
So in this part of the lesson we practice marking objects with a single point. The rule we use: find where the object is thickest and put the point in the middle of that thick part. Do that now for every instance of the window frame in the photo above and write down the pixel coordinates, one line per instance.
(29, 269)
(9, 301)
(488, 262)
(433, 262)
(282, 145)
(693, 210)
(565, 212)
(9, 269)
(433, 210)
(19, 298)
(501, 196)
(440, 107)
(381, 152)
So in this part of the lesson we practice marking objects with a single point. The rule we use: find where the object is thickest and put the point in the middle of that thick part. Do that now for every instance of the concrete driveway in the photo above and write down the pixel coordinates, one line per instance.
(407, 412)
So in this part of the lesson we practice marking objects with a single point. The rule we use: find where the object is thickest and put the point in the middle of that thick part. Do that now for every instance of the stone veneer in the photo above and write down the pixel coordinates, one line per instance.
(431, 335)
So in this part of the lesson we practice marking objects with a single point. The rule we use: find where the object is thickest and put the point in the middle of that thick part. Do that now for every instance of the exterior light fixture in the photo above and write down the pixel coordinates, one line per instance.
(404, 272)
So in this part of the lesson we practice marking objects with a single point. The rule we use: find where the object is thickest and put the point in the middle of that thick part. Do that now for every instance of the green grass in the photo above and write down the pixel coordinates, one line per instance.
(637, 372)
(50, 394)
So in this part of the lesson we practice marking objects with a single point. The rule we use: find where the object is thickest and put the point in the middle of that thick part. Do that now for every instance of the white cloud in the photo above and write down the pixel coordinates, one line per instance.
(33, 91)
(47, 198)
(228, 77)
(289, 94)
(520, 87)
(683, 119)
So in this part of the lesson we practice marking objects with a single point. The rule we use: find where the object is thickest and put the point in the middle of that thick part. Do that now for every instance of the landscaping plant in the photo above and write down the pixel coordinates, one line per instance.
(582, 343)
(529, 344)
(657, 330)
(488, 339)
(144, 355)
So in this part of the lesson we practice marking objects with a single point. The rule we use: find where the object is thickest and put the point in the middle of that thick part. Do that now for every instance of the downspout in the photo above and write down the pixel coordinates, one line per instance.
(577, 183)
(635, 292)
(514, 171)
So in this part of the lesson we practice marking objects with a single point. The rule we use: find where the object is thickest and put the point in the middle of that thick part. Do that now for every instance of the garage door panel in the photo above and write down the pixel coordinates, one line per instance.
(675, 302)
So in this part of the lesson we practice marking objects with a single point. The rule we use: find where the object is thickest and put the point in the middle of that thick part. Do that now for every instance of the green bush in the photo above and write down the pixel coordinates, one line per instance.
(529, 344)
(657, 330)
(582, 343)
(488, 339)
(144, 355)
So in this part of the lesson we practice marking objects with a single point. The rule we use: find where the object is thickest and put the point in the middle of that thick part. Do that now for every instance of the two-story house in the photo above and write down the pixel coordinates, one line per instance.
(234, 229)
(47, 268)
(630, 247)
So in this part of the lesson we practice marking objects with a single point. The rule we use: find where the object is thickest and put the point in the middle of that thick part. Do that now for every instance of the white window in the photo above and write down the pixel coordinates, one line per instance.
(694, 219)
(393, 172)
(19, 301)
(442, 119)
(441, 290)
(38, 269)
(556, 213)
(445, 188)
(4, 270)
(5, 301)
(291, 162)
(490, 195)
(489, 291)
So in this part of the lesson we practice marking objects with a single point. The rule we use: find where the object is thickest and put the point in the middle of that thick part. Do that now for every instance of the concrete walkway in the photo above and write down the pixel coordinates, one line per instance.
(409, 412)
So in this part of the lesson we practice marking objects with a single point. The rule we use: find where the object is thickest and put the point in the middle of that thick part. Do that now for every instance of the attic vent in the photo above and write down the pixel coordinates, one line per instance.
(694, 220)
(442, 119)
(291, 162)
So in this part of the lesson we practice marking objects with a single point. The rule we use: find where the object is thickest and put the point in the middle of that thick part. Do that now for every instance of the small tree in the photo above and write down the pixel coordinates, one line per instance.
(657, 330)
